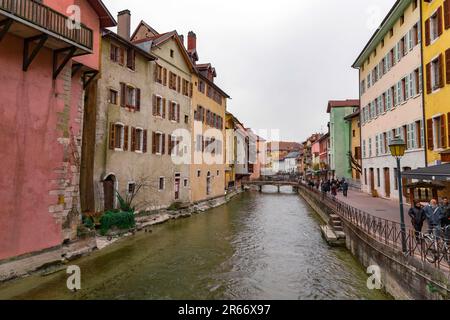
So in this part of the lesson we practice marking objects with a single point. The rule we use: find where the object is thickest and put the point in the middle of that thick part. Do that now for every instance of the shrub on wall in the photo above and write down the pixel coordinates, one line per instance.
(120, 220)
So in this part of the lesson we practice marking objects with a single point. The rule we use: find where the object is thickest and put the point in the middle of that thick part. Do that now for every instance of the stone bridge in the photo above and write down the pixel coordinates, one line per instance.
(261, 183)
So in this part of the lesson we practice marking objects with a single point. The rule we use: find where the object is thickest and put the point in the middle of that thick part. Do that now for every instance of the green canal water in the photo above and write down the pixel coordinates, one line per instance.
(258, 246)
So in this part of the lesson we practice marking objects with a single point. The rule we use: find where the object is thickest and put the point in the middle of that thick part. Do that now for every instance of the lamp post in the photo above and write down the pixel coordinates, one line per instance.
(398, 148)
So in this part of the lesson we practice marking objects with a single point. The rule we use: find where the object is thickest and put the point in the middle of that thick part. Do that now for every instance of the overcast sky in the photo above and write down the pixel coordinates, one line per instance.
(280, 61)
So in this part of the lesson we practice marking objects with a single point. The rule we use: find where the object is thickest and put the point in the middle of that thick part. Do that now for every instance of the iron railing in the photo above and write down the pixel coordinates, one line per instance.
(386, 232)
(49, 19)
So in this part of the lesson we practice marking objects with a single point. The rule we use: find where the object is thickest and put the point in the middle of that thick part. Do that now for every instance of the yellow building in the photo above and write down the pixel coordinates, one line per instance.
(355, 145)
(435, 178)
(209, 104)
(436, 62)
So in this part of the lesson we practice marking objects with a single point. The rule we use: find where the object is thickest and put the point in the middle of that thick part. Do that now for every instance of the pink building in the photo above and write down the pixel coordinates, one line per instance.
(47, 67)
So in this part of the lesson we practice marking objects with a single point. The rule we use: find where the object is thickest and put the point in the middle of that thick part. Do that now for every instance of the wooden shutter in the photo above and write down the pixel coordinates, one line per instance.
(112, 53)
(448, 126)
(163, 148)
(112, 136)
(441, 70)
(153, 142)
(447, 62)
(443, 133)
(447, 14)
(154, 101)
(427, 32)
(191, 89)
(439, 20)
(178, 112)
(125, 138)
(138, 99)
(430, 137)
(155, 73)
(123, 94)
(171, 111)
(165, 77)
(122, 56)
(144, 142)
(133, 139)
(164, 108)
(179, 84)
(169, 137)
(428, 78)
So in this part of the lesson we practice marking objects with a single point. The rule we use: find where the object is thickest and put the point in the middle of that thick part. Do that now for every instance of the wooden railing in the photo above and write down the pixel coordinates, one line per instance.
(49, 19)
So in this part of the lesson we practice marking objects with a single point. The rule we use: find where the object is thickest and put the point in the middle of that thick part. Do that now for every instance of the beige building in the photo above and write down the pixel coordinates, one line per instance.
(209, 104)
(143, 119)
(391, 99)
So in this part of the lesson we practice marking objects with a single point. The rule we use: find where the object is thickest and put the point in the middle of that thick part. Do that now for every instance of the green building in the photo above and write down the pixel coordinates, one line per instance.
(340, 164)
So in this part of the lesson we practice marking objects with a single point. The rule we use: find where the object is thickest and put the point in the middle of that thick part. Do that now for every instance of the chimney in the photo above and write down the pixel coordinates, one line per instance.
(124, 24)
(192, 41)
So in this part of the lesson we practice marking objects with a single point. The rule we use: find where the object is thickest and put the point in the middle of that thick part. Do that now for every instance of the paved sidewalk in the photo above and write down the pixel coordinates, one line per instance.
(383, 208)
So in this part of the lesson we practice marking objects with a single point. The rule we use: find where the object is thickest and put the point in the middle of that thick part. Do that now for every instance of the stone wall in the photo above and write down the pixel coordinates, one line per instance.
(403, 277)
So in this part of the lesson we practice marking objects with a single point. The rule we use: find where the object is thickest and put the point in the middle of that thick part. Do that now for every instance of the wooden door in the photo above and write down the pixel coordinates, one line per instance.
(372, 180)
(387, 182)
(108, 192)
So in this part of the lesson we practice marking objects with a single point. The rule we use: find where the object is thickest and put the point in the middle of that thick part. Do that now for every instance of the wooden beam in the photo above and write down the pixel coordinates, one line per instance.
(57, 69)
(5, 24)
(88, 76)
(75, 68)
(28, 59)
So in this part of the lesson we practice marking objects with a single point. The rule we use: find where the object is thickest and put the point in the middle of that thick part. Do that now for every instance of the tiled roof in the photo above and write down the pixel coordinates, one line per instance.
(342, 103)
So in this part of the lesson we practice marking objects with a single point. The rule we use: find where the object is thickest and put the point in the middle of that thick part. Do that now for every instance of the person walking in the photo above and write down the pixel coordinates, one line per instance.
(434, 216)
(334, 189)
(418, 217)
(345, 188)
(445, 206)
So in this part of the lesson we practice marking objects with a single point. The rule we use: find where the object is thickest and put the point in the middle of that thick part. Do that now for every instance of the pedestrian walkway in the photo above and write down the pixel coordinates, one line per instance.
(378, 207)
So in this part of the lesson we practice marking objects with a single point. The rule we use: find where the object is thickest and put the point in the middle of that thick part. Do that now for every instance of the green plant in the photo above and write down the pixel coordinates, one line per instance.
(121, 220)
(125, 205)
(88, 222)
(175, 206)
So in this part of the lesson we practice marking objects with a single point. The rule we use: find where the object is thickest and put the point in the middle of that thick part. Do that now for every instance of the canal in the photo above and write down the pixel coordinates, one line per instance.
(258, 246)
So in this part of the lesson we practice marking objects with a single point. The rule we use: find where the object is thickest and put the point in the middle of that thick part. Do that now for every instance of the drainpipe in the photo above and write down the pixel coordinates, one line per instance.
(422, 44)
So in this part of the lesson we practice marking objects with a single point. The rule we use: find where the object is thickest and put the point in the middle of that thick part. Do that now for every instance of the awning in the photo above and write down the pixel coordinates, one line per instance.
(435, 173)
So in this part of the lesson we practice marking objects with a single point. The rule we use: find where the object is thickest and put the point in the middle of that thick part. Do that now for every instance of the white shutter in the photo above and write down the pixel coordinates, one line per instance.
(407, 87)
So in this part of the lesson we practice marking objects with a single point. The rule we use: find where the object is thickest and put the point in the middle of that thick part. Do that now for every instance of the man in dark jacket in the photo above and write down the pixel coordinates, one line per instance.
(434, 215)
(417, 214)
(345, 188)
(445, 206)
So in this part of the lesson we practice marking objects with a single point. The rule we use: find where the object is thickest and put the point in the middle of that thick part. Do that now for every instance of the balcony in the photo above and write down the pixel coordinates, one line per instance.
(30, 19)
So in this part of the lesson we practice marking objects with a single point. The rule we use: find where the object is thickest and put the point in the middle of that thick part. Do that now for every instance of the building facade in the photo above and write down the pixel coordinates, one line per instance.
(209, 104)
(355, 147)
(171, 121)
(123, 125)
(436, 61)
(340, 137)
(391, 99)
(47, 83)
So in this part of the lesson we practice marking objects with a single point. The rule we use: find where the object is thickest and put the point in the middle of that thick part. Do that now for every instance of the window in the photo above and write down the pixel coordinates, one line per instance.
(131, 188)
(199, 173)
(119, 136)
(172, 53)
(158, 145)
(113, 96)
(218, 173)
(439, 132)
(172, 81)
(185, 90)
(186, 119)
(435, 25)
(402, 20)
(131, 59)
(185, 183)
(138, 140)
(159, 74)
(130, 97)
(161, 184)
(370, 147)
(436, 74)
(115, 53)
(159, 106)
(174, 111)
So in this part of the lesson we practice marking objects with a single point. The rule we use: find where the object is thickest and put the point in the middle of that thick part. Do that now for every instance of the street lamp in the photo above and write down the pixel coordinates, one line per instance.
(398, 148)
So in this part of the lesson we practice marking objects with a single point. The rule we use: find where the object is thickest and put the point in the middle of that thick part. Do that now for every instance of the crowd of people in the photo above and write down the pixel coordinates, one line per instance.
(436, 214)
